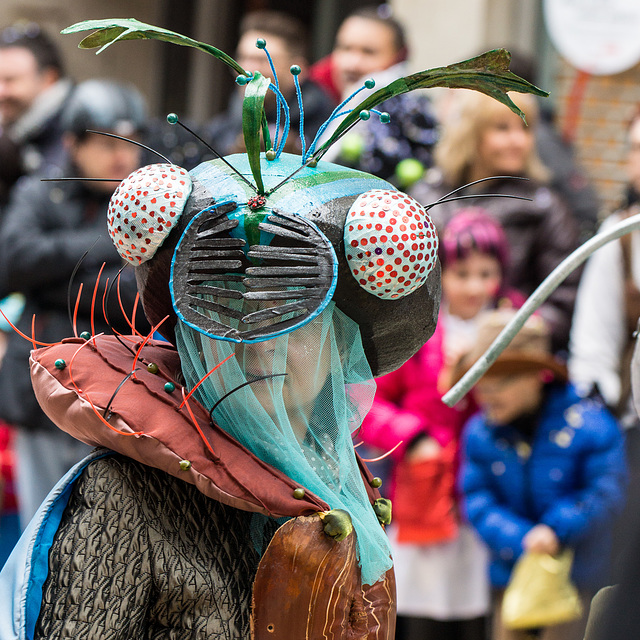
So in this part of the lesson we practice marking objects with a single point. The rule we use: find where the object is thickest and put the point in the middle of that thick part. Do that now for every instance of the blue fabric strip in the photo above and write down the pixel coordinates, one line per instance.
(44, 539)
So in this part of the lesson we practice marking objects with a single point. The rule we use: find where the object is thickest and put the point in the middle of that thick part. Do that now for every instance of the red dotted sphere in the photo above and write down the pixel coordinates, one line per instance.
(412, 252)
(144, 209)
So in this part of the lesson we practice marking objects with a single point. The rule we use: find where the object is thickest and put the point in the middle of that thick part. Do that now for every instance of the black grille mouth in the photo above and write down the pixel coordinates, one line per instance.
(229, 289)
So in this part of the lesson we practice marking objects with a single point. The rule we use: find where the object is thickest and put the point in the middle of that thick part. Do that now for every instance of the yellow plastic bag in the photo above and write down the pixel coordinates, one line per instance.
(540, 592)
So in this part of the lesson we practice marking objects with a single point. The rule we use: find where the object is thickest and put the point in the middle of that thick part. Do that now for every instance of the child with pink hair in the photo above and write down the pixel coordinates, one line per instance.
(441, 568)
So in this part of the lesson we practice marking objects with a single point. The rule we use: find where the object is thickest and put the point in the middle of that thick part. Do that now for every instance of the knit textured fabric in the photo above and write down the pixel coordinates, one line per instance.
(140, 554)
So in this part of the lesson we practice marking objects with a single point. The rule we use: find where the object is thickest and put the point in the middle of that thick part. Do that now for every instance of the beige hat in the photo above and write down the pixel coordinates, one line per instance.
(530, 349)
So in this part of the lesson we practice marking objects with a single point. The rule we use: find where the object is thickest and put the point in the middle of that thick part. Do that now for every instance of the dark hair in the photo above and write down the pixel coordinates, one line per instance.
(104, 105)
(382, 14)
(31, 37)
(282, 25)
(473, 229)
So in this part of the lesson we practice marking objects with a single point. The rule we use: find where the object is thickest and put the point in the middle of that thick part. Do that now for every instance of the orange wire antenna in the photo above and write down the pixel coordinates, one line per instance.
(384, 455)
(88, 399)
(149, 336)
(93, 302)
(203, 379)
(75, 311)
(26, 337)
(126, 317)
(197, 426)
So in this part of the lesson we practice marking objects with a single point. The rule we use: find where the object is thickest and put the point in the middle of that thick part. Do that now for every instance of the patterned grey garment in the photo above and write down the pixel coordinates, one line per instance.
(140, 554)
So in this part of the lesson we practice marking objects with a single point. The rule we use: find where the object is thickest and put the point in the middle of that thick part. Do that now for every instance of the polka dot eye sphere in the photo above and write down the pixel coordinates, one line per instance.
(390, 243)
(144, 209)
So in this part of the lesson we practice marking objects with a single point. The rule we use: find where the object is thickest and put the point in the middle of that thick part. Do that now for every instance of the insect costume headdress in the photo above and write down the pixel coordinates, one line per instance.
(288, 282)
(285, 233)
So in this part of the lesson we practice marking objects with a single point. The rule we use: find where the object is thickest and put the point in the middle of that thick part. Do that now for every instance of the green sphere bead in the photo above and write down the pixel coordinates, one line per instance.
(169, 387)
(172, 118)
(270, 155)
(295, 70)
(185, 464)
(298, 493)
(85, 335)
(313, 164)
(242, 80)
(369, 83)
(385, 118)
(152, 367)
(261, 43)
(364, 115)
(60, 364)
(409, 171)
(376, 483)
(352, 147)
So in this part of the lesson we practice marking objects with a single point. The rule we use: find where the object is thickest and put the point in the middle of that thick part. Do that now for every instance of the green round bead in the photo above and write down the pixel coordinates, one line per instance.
(376, 482)
(185, 464)
(364, 115)
(60, 363)
(295, 70)
(85, 335)
(298, 493)
(152, 367)
(313, 164)
(369, 83)
(261, 43)
(242, 80)
(385, 118)
(172, 118)
(169, 387)
(270, 155)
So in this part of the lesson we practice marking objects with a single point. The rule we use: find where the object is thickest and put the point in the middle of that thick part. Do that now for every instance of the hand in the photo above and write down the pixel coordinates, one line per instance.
(425, 449)
(541, 539)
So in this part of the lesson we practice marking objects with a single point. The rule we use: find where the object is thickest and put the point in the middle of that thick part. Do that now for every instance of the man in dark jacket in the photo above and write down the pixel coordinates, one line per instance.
(33, 92)
(371, 43)
(47, 228)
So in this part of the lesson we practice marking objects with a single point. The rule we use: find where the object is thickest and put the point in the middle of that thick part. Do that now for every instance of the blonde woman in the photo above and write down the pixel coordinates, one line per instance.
(481, 138)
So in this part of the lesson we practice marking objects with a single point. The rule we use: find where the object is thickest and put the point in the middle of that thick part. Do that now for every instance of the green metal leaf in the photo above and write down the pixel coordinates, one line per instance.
(488, 73)
(111, 30)
(252, 121)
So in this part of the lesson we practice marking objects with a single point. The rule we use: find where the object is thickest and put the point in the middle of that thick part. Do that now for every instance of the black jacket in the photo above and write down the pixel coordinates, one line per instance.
(47, 228)
(540, 231)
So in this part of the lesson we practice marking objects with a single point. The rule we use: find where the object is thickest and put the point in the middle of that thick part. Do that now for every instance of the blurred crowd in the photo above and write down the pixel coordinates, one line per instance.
(536, 459)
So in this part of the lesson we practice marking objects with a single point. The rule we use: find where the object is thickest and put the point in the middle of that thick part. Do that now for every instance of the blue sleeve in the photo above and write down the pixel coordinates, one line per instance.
(497, 524)
(604, 476)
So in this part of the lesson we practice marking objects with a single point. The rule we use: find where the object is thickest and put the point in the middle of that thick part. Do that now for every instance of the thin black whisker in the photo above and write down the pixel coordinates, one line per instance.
(138, 144)
(471, 184)
(313, 158)
(111, 399)
(244, 384)
(106, 312)
(477, 195)
(81, 180)
(72, 277)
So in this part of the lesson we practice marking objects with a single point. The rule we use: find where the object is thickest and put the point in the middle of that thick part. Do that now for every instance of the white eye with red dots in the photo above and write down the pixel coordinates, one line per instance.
(144, 209)
(390, 243)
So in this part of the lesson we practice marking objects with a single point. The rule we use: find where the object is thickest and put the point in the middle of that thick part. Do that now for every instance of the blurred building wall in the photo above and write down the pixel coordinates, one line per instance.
(54, 15)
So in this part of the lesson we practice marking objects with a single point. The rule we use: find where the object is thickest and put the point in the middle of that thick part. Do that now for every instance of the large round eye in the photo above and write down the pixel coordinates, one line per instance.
(144, 209)
(390, 243)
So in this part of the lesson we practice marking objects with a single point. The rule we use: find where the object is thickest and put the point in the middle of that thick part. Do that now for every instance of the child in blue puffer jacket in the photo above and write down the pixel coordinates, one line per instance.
(543, 468)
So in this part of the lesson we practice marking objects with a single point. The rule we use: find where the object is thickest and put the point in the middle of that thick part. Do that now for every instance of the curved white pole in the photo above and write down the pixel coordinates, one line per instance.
(546, 288)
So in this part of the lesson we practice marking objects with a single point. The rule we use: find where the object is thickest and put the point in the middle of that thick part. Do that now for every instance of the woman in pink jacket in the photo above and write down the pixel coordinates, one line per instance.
(440, 564)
